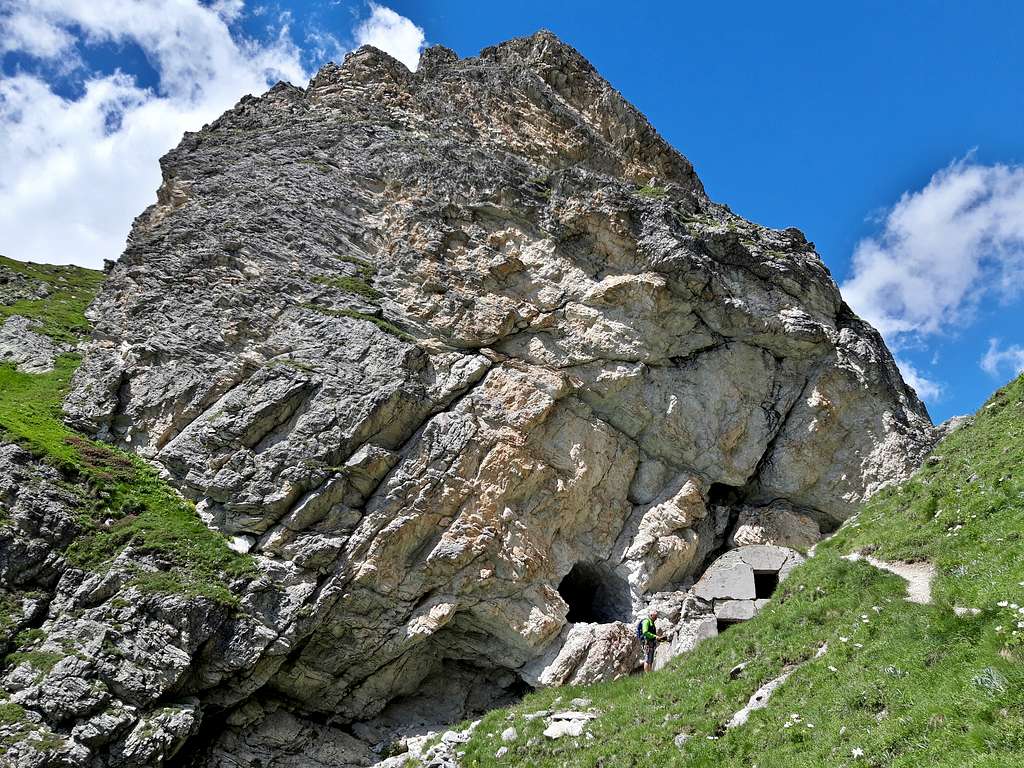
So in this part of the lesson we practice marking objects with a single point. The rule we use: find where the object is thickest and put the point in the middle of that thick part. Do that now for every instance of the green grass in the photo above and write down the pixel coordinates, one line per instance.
(62, 313)
(652, 191)
(43, 661)
(351, 285)
(11, 714)
(384, 325)
(122, 500)
(911, 686)
(29, 637)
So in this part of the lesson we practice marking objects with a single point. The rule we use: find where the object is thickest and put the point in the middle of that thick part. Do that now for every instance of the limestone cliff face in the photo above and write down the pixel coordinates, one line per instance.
(432, 345)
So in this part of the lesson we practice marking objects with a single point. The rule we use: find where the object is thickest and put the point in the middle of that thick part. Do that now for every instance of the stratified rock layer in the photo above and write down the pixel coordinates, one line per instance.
(425, 342)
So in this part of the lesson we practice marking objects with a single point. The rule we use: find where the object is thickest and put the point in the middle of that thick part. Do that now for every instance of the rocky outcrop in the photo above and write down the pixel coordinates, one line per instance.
(107, 673)
(462, 357)
(27, 350)
(17, 286)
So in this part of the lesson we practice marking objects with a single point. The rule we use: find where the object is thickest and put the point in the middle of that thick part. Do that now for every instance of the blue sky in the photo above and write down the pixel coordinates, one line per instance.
(891, 133)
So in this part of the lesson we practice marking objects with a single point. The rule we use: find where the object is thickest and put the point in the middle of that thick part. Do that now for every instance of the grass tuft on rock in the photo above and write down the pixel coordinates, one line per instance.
(42, 661)
(11, 713)
(384, 325)
(652, 191)
(901, 685)
(349, 284)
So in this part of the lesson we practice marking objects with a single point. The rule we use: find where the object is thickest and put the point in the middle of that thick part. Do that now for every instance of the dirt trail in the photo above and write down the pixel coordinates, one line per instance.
(918, 576)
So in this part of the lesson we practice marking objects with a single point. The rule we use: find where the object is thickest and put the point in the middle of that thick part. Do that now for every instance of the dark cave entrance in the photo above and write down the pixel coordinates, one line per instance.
(595, 594)
(724, 624)
(765, 584)
(722, 495)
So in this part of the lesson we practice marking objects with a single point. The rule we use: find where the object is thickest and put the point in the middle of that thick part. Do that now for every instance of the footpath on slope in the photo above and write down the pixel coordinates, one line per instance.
(919, 576)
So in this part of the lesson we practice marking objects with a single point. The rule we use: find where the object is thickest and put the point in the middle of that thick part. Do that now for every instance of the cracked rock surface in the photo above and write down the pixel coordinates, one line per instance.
(422, 343)
(27, 350)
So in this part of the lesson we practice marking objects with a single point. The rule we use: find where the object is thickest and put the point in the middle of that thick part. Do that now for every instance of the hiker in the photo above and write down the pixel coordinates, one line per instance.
(647, 631)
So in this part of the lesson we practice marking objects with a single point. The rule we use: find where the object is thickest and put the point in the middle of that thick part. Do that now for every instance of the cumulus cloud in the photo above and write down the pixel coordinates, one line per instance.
(926, 388)
(943, 250)
(33, 34)
(999, 360)
(77, 170)
(390, 32)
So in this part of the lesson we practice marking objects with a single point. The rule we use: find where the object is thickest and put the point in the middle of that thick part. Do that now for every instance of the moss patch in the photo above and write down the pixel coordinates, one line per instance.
(348, 284)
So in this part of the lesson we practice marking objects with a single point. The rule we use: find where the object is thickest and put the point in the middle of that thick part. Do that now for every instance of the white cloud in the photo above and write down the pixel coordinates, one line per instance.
(942, 250)
(997, 360)
(395, 34)
(29, 32)
(927, 389)
(76, 171)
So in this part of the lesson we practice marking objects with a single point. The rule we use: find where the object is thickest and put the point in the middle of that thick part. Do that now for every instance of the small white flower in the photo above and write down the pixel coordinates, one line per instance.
(999, 629)
(876, 609)
(787, 724)
(858, 645)
(1020, 625)
(1014, 606)
(810, 725)
(844, 639)
(857, 752)
(1003, 603)
(842, 730)
(832, 669)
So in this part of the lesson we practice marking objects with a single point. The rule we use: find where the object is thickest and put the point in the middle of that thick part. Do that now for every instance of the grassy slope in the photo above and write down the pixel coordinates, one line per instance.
(62, 313)
(124, 502)
(910, 685)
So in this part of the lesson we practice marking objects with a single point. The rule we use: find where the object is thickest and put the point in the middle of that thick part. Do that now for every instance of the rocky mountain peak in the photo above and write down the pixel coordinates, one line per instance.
(443, 351)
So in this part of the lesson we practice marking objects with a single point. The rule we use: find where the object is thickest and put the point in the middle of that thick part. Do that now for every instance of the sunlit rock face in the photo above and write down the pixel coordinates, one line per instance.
(425, 343)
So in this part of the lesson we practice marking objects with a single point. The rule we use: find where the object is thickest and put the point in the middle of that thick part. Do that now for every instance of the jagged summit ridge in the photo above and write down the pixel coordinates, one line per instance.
(426, 344)
(550, 77)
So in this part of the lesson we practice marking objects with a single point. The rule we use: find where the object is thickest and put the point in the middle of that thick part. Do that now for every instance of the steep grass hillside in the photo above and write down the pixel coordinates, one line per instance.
(127, 502)
(900, 684)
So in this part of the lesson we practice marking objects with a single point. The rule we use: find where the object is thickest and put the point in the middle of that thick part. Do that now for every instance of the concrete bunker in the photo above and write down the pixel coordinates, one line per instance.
(740, 583)
(595, 594)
